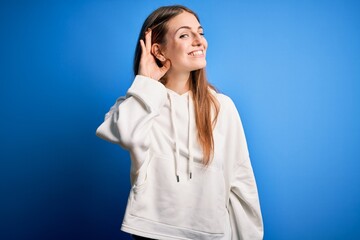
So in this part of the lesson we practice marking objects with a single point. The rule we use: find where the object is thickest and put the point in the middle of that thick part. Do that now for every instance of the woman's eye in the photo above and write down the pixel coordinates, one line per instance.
(202, 34)
(184, 35)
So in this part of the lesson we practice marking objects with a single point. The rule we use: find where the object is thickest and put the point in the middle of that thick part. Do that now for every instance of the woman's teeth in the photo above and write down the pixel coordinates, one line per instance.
(196, 53)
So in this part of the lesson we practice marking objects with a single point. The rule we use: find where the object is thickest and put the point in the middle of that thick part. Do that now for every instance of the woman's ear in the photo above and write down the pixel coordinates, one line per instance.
(156, 51)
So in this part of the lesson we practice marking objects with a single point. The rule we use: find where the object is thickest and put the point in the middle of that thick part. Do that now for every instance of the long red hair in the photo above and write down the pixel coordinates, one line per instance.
(205, 103)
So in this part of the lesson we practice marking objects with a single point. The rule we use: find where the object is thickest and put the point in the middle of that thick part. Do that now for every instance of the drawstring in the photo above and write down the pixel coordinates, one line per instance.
(177, 151)
(191, 158)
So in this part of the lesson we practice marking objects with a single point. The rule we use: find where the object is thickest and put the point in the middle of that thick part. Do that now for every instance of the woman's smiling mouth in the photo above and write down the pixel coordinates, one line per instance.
(196, 53)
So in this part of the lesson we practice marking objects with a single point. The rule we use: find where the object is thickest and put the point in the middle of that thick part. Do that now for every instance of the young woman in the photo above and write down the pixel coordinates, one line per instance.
(190, 169)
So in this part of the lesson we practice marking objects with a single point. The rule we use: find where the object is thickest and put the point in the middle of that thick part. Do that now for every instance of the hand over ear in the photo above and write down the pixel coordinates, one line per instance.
(149, 53)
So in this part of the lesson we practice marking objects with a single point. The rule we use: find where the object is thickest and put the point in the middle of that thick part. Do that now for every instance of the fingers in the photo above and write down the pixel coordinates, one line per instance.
(166, 66)
(142, 44)
(146, 45)
(148, 40)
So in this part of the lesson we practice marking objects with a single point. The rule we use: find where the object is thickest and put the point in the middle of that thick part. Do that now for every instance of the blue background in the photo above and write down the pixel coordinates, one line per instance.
(291, 67)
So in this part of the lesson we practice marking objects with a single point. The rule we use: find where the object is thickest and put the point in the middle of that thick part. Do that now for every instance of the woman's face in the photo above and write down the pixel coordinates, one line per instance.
(185, 43)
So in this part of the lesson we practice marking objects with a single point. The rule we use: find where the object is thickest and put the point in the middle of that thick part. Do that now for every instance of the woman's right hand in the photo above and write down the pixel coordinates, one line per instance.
(148, 66)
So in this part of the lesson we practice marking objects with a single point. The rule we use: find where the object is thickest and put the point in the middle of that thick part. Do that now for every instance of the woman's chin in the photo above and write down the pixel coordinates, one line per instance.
(199, 66)
(188, 68)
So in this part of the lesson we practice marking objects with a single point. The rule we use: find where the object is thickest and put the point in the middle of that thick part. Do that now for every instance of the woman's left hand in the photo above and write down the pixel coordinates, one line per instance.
(148, 66)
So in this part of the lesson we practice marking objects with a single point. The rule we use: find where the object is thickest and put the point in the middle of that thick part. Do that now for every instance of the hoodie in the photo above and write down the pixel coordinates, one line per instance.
(173, 195)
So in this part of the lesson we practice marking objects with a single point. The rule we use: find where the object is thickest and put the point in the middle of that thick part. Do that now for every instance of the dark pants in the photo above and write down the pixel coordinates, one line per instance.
(135, 237)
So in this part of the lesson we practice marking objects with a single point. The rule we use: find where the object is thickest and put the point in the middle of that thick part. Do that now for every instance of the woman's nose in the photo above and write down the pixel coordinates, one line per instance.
(197, 40)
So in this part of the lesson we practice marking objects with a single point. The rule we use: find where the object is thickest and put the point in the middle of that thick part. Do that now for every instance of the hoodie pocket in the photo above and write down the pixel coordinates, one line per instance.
(141, 179)
(195, 204)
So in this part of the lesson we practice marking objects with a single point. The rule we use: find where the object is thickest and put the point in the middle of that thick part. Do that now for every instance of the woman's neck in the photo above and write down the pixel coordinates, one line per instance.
(178, 82)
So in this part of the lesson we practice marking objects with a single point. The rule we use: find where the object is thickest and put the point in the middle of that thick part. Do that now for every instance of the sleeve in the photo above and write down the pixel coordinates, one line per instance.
(129, 121)
(243, 201)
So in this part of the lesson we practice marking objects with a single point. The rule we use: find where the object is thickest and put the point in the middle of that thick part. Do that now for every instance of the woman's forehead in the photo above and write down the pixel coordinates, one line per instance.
(183, 20)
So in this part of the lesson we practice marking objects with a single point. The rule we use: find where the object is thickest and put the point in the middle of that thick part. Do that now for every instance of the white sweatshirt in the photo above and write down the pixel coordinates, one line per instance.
(173, 196)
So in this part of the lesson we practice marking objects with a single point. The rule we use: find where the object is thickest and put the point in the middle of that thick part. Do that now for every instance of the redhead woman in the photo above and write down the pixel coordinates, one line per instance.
(191, 174)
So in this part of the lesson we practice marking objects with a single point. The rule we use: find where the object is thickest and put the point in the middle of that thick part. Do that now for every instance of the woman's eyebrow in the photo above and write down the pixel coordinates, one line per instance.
(187, 27)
